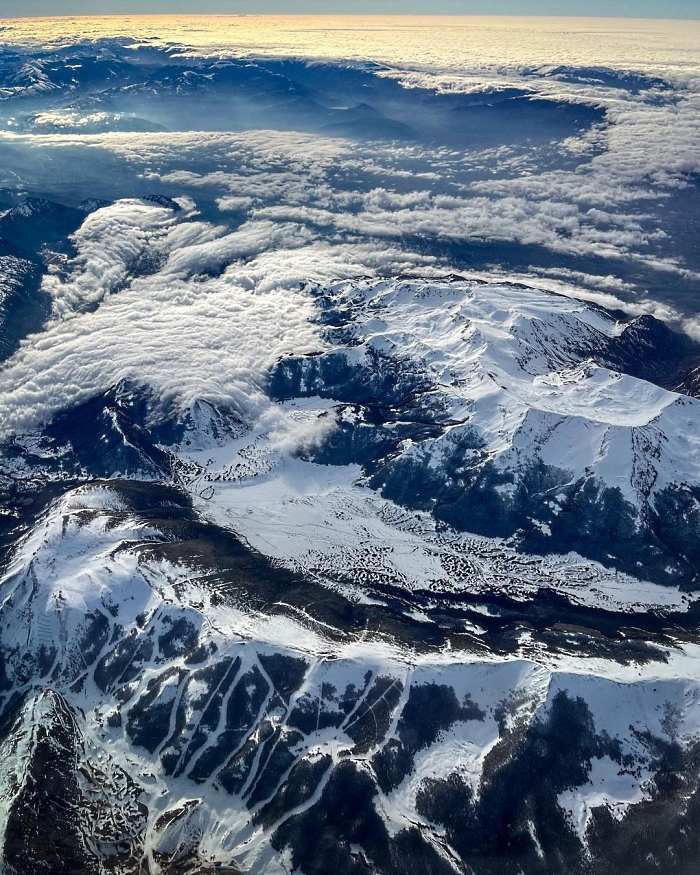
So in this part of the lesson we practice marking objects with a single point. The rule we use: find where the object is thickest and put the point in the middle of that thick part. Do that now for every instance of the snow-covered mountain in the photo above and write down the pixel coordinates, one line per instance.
(514, 412)
(169, 699)
(501, 410)
(218, 656)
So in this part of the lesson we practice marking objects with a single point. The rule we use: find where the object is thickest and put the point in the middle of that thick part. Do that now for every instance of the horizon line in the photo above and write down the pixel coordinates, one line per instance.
(339, 14)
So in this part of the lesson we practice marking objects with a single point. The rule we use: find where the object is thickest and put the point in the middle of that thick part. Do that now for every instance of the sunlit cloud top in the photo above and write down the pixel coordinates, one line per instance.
(428, 42)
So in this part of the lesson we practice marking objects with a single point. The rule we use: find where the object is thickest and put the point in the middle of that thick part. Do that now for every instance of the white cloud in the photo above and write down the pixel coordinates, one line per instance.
(206, 323)
(111, 244)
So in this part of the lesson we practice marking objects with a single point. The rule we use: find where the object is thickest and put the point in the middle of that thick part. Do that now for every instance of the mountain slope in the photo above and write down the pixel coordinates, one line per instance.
(152, 716)
(227, 649)
(513, 412)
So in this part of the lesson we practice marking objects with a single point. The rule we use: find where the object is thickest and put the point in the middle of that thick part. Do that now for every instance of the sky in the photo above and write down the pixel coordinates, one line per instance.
(636, 8)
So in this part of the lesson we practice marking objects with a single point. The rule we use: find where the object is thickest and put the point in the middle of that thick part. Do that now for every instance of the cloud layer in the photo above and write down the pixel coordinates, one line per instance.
(199, 302)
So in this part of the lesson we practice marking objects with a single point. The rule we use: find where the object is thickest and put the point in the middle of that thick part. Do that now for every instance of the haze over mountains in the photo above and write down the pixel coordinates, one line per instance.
(349, 448)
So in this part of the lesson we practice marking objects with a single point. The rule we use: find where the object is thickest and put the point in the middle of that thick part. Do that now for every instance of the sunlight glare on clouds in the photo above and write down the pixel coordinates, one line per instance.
(442, 42)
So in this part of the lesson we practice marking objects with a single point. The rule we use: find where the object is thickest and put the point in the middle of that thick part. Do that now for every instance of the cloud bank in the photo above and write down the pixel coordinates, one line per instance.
(199, 302)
